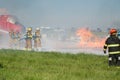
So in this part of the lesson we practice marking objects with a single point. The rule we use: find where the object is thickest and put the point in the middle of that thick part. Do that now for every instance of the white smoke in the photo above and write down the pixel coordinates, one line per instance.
(4, 39)
(66, 44)
(52, 40)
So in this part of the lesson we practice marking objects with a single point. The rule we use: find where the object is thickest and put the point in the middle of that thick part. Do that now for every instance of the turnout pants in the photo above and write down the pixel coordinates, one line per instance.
(29, 44)
(114, 59)
(37, 43)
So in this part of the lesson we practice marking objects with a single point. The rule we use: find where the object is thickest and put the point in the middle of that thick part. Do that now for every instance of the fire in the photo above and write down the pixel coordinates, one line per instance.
(88, 39)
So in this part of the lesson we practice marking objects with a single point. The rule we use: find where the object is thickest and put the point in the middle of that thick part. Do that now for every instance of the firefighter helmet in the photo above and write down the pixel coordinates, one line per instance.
(113, 31)
(29, 29)
(37, 29)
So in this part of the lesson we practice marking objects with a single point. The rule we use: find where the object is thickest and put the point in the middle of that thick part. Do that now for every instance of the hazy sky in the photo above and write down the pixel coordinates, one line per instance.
(64, 13)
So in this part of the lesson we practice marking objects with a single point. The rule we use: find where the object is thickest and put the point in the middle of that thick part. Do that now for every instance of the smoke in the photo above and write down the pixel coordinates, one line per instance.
(73, 41)
(4, 39)
(61, 39)
(66, 40)
(7, 23)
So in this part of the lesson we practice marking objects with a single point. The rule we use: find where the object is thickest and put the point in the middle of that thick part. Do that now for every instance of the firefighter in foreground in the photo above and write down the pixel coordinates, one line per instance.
(112, 43)
(28, 38)
(37, 40)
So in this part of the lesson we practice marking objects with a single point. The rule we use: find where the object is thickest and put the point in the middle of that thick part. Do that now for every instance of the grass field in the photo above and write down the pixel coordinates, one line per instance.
(25, 65)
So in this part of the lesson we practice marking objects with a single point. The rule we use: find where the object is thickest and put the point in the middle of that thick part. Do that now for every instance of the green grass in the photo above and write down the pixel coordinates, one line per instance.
(25, 65)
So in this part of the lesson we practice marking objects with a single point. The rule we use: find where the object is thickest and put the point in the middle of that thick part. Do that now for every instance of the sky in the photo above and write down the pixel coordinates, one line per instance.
(64, 13)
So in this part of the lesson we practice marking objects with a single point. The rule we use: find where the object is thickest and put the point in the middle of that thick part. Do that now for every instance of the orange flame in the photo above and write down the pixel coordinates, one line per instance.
(88, 39)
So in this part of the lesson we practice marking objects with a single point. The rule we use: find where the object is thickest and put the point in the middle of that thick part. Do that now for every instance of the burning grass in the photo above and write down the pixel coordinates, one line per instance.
(25, 65)
(88, 39)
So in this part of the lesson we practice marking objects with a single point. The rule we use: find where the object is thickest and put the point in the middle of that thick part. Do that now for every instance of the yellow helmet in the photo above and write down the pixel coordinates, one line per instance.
(29, 29)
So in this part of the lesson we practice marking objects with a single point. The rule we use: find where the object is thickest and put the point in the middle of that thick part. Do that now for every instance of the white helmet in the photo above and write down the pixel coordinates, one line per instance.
(37, 28)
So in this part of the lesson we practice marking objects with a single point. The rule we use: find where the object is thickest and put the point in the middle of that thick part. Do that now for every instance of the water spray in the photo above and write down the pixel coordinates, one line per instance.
(3, 31)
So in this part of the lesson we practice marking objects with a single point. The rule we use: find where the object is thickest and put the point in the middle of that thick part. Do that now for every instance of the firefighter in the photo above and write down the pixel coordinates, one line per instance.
(17, 37)
(12, 41)
(112, 44)
(37, 40)
(28, 38)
